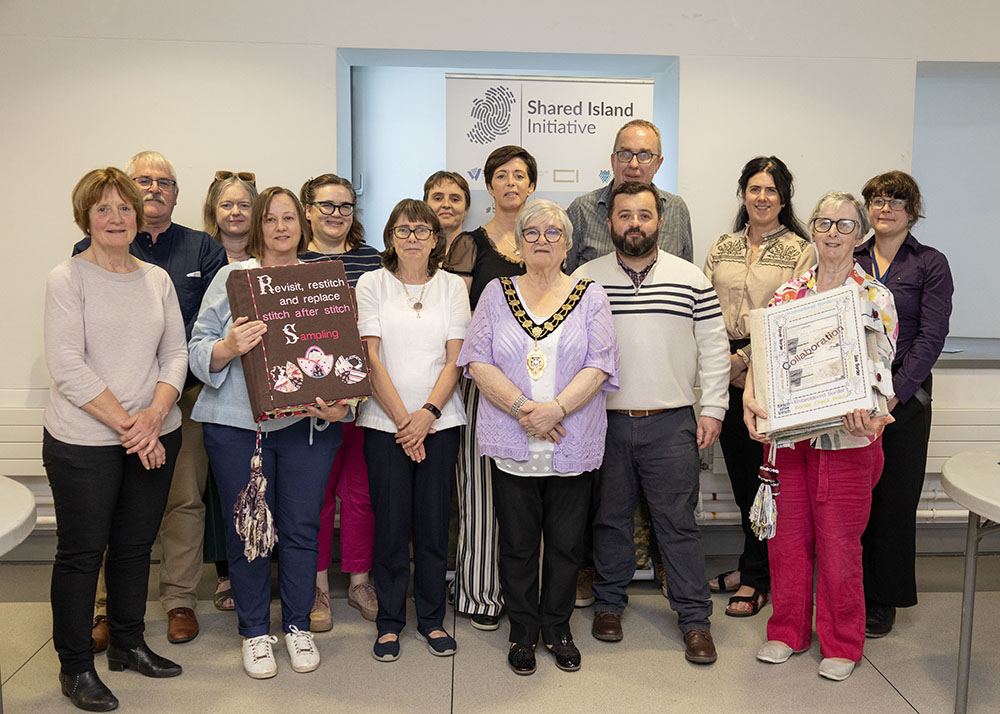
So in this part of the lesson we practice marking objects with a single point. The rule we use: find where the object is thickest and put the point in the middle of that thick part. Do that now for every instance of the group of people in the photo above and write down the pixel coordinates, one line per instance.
(547, 359)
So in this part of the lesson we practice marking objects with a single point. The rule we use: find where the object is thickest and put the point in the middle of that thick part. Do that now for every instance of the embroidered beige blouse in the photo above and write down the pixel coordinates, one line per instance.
(743, 286)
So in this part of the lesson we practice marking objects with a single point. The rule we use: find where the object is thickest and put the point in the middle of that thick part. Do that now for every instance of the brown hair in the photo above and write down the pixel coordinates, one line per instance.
(896, 184)
(255, 246)
(91, 187)
(501, 156)
(412, 210)
(443, 177)
(356, 233)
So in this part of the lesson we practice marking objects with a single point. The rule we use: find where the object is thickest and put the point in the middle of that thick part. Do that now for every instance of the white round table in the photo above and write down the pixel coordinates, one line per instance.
(17, 519)
(972, 480)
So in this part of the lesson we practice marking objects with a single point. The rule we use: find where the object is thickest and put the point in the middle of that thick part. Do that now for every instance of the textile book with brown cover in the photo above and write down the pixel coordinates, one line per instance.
(312, 347)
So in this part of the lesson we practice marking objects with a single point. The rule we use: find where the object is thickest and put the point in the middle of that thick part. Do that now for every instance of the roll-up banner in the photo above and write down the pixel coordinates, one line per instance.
(567, 123)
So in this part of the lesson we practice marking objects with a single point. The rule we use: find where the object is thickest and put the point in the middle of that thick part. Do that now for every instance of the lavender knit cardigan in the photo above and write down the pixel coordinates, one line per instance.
(587, 340)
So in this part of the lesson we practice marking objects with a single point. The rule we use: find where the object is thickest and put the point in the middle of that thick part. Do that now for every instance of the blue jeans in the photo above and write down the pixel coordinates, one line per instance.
(296, 474)
(658, 453)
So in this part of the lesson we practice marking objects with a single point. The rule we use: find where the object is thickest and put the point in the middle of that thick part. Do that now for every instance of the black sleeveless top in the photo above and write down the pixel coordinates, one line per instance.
(473, 254)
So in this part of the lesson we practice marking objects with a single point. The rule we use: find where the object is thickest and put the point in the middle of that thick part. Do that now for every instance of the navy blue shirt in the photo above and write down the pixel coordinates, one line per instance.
(191, 259)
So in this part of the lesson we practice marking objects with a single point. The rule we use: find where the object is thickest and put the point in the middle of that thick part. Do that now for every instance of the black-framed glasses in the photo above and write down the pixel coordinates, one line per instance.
(420, 232)
(552, 235)
(896, 204)
(845, 226)
(247, 176)
(165, 184)
(643, 157)
(328, 208)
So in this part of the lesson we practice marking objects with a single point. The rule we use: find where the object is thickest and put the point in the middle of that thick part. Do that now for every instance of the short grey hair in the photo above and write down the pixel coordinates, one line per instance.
(541, 208)
(836, 199)
(153, 158)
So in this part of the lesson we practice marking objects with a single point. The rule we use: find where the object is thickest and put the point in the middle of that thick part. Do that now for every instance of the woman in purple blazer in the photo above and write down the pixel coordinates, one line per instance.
(542, 349)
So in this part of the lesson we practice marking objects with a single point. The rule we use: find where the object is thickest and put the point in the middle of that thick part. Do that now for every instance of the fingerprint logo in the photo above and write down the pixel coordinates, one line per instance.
(492, 115)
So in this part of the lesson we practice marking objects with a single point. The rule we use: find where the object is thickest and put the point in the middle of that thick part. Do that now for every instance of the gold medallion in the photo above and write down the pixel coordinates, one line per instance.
(537, 362)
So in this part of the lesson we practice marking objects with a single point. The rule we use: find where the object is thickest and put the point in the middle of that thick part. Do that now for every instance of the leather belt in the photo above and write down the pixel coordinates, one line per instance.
(637, 412)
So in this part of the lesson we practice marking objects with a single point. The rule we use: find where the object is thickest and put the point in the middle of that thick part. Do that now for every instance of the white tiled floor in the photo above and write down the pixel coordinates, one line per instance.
(912, 670)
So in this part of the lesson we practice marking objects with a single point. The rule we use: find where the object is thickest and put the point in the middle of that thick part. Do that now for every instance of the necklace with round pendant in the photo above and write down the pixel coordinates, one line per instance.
(416, 303)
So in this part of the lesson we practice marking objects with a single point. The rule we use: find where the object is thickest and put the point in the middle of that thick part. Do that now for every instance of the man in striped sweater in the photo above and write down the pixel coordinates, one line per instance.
(670, 332)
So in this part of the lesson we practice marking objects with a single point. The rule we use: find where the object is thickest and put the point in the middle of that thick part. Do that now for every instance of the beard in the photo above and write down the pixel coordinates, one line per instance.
(635, 243)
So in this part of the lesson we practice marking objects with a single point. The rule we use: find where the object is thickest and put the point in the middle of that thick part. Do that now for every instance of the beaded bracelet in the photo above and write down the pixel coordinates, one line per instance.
(516, 407)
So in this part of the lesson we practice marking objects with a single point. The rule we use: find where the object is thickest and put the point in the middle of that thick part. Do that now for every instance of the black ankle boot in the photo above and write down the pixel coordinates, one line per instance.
(142, 660)
(87, 691)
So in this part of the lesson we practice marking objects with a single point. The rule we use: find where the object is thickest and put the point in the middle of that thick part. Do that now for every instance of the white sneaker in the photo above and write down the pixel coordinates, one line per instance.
(258, 657)
(836, 669)
(302, 650)
(775, 652)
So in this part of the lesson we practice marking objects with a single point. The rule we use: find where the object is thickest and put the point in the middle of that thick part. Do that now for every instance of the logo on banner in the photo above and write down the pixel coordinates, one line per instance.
(604, 175)
(474, 174)
(492, 114)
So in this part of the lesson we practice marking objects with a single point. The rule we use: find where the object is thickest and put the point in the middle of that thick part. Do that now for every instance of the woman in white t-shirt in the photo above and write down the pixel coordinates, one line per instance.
(414, 318)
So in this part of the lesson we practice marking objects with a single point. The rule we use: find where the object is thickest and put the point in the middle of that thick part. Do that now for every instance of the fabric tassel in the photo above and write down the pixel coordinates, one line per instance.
(253, 519)
(764, 512)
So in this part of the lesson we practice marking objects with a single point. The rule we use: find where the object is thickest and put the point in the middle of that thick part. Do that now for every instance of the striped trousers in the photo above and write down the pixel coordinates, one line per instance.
(477, 572)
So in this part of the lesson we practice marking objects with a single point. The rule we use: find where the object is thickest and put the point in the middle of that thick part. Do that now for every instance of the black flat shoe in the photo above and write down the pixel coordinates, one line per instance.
(566, 654)
(87, 691)
(879, 619)
(143, 660)
(485, 622)
(521, 659)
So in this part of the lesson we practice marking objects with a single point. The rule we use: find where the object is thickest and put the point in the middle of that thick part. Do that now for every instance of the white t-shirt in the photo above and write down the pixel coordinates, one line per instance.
(412, 344)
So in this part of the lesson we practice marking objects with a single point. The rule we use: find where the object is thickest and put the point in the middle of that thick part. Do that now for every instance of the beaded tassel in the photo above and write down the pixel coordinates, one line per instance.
(764, 512)
(253, 519)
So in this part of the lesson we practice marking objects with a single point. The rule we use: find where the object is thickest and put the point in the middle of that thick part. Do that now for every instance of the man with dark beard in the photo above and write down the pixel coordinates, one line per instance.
(670, 332)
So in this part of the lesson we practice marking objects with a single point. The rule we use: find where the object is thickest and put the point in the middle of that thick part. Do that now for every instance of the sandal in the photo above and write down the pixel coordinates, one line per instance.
(223, 597)
(718, 583)
(757, 601)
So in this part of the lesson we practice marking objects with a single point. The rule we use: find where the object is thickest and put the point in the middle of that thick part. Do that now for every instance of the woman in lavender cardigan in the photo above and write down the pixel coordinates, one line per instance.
(542, 349)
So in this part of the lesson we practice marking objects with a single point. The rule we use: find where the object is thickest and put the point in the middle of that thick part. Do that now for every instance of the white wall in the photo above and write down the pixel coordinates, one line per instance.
(88, 84)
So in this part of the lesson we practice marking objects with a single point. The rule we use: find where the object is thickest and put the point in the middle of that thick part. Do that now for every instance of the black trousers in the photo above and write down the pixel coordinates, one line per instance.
(744, 457)
(410, 497)
(103, 498)
(890, 541)
(529, 509)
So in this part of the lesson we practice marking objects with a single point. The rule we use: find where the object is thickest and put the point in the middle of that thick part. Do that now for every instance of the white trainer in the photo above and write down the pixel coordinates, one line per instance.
(302, 650)
(836, 668)
(775, 652)
(258, 657)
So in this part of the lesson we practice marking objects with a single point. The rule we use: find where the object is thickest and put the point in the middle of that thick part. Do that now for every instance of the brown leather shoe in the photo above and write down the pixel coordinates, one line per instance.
(607, 626)
(182, 625)
(99, 634)
(699, 648)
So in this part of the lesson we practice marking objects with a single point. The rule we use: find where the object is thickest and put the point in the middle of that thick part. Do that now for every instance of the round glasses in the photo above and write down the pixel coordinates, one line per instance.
(845, 226)
(328, 208)
(404, 232)
(896, 204)
(533, 235)
(643, 157)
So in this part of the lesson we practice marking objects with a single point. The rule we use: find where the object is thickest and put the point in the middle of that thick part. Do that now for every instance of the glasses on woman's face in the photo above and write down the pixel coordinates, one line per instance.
(845, 226)
(896, 204)
(404, 232)
(532, 235)
(328, 208)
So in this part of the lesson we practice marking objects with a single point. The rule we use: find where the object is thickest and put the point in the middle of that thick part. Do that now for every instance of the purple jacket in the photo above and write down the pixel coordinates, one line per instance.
(587, 340)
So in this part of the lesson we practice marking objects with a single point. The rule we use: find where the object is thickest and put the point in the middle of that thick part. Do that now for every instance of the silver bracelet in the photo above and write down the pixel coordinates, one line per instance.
(516, 407)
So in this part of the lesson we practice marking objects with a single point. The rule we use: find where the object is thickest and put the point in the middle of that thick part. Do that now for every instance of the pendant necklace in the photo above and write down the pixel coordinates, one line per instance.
(513, 245)
(415, 302)
(536, 361)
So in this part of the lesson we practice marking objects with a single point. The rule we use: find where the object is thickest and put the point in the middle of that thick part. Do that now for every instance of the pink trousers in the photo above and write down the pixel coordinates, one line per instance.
(348, 482)
(823, 509)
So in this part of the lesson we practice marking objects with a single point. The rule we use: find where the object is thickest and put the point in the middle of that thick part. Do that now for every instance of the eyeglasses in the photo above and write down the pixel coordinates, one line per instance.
(844, 225)
(643, 157)
(328, 208)
(896, 204)
(420, 232)
(247, 176)
(532, 235)
(148, 181)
